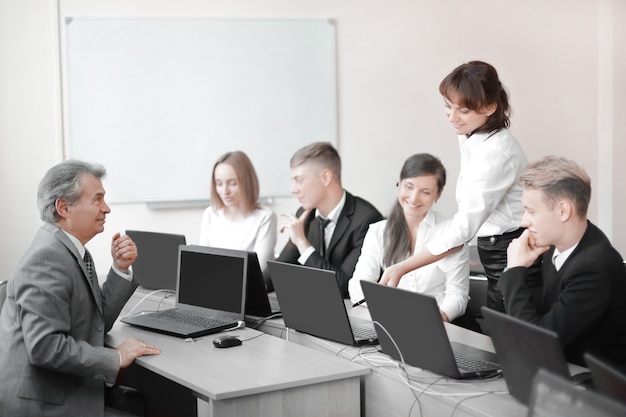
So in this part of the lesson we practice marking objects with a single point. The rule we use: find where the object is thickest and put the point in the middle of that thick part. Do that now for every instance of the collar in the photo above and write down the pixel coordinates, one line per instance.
(79, 246)
(333, 216)
(559, 258)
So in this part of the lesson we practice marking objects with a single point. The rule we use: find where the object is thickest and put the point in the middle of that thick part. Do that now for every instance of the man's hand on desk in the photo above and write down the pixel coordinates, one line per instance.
(131, 349)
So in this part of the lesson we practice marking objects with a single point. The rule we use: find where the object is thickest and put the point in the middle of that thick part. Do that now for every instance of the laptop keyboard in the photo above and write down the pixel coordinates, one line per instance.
(471, 364)
(184, 317)
(364, 333)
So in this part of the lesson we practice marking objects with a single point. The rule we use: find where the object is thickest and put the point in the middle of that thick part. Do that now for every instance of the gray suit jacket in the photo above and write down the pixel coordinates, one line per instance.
(52, 356)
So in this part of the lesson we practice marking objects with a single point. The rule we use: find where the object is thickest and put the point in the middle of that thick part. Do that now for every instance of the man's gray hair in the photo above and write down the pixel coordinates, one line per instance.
(62, 181)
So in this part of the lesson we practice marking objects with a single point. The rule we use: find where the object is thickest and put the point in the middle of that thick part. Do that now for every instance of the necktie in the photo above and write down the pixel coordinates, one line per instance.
(89, 264)
(322, 223)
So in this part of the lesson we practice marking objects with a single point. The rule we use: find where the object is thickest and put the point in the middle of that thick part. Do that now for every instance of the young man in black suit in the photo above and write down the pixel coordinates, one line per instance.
(327, 211)
(584, 276)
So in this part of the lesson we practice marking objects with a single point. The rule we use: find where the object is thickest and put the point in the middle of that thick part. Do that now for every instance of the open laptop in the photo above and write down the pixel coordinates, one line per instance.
(155, 267)
(606, 379)
(522, 349)
(555, 396)
(210, 295)
(258, 303)
(410, 329)
(311, 302)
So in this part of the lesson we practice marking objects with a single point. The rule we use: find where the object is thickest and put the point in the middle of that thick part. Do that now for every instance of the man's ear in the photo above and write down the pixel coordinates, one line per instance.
(566, 210)
(62, 207)
(327, 176)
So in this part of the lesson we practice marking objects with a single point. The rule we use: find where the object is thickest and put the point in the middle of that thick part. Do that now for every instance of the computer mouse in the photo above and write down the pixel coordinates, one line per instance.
(226, 341)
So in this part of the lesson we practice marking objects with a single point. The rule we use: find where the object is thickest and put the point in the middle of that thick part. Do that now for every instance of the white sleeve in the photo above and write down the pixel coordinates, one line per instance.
(370, 261)
(482, 185)
(456, 293)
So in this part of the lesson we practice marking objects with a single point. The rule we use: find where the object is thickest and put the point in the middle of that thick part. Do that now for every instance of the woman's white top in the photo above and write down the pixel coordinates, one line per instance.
(256, 233)
(447, 280)
(488, 194)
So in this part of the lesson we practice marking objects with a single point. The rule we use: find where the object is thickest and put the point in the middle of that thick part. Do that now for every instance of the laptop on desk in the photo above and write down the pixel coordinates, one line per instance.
(311, 302)
(410, 329)
(155, 267)
(258, 303)
(524, 348)
(210, 294)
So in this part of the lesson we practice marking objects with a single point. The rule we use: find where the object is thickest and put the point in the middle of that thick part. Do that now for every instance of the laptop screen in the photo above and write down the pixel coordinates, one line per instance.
(156, 265)
(212, 278)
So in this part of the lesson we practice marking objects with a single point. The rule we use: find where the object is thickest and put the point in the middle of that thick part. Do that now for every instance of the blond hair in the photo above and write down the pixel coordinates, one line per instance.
(321, 153)
(559, 178)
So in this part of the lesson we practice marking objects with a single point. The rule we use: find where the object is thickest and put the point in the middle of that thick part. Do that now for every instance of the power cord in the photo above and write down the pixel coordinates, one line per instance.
(167, 294)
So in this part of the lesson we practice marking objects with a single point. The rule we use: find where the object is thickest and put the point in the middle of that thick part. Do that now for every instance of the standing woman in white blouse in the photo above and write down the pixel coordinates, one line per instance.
(409, 227)
(235, 219)
(488, 194)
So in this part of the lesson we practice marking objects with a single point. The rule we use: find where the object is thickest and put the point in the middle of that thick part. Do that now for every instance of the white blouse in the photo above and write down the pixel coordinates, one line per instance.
(488, 194)
(447, 280)
(256, 233)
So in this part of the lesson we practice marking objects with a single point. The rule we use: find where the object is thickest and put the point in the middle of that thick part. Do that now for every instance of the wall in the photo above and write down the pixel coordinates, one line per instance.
(391, 57)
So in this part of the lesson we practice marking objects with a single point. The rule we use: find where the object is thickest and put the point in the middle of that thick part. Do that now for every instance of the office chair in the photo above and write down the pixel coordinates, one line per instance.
(478, 297)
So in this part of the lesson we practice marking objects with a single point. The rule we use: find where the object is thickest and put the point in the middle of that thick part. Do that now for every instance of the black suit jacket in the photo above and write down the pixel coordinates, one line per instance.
(584, 302)
(345, 245)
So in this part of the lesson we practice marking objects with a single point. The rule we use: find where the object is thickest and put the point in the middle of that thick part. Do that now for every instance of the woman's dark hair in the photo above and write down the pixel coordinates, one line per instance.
(475, 85)
(397, 237)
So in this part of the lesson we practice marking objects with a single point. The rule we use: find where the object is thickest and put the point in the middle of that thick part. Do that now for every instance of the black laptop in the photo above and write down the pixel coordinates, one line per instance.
(554, 396)
(606, 378)
(258, 303)
(311, 302)
(210, 295)
(410, 329)
(155, 267)
(522, 349)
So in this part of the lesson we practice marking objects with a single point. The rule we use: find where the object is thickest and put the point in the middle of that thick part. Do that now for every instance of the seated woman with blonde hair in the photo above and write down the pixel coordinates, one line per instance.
(409, 227)
(235, 219)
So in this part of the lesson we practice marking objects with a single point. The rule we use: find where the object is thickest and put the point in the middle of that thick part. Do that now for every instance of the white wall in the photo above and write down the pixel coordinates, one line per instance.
(551, 55)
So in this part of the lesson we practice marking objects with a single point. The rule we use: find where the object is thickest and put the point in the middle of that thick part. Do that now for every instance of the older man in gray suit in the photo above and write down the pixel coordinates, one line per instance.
(53, 361)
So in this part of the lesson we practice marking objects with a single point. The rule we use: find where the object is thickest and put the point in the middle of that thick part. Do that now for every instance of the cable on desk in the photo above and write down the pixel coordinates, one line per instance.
(165, 297)
(168, 293)
(401, 366)
(254, 337)
(469, 398)
(261, 321)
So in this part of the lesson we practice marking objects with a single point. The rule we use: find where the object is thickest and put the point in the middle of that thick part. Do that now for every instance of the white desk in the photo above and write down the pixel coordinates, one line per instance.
(265, 376)
(387, 392)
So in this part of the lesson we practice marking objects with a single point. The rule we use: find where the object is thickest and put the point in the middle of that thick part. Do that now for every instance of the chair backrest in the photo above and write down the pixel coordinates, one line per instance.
(3, 293)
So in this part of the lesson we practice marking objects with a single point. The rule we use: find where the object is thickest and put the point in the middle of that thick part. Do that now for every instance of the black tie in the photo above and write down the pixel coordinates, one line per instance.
(323, 223)
(89, 264)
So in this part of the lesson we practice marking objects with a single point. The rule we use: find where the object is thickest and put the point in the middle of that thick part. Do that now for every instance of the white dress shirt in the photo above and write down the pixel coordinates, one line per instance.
(81, 250)
(488, 194)
(333, 216)
(559, 258)
(447, 280)
(256, 233)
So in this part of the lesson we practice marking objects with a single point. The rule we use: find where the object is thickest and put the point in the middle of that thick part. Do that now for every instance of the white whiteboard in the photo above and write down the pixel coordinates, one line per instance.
(157, 101)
